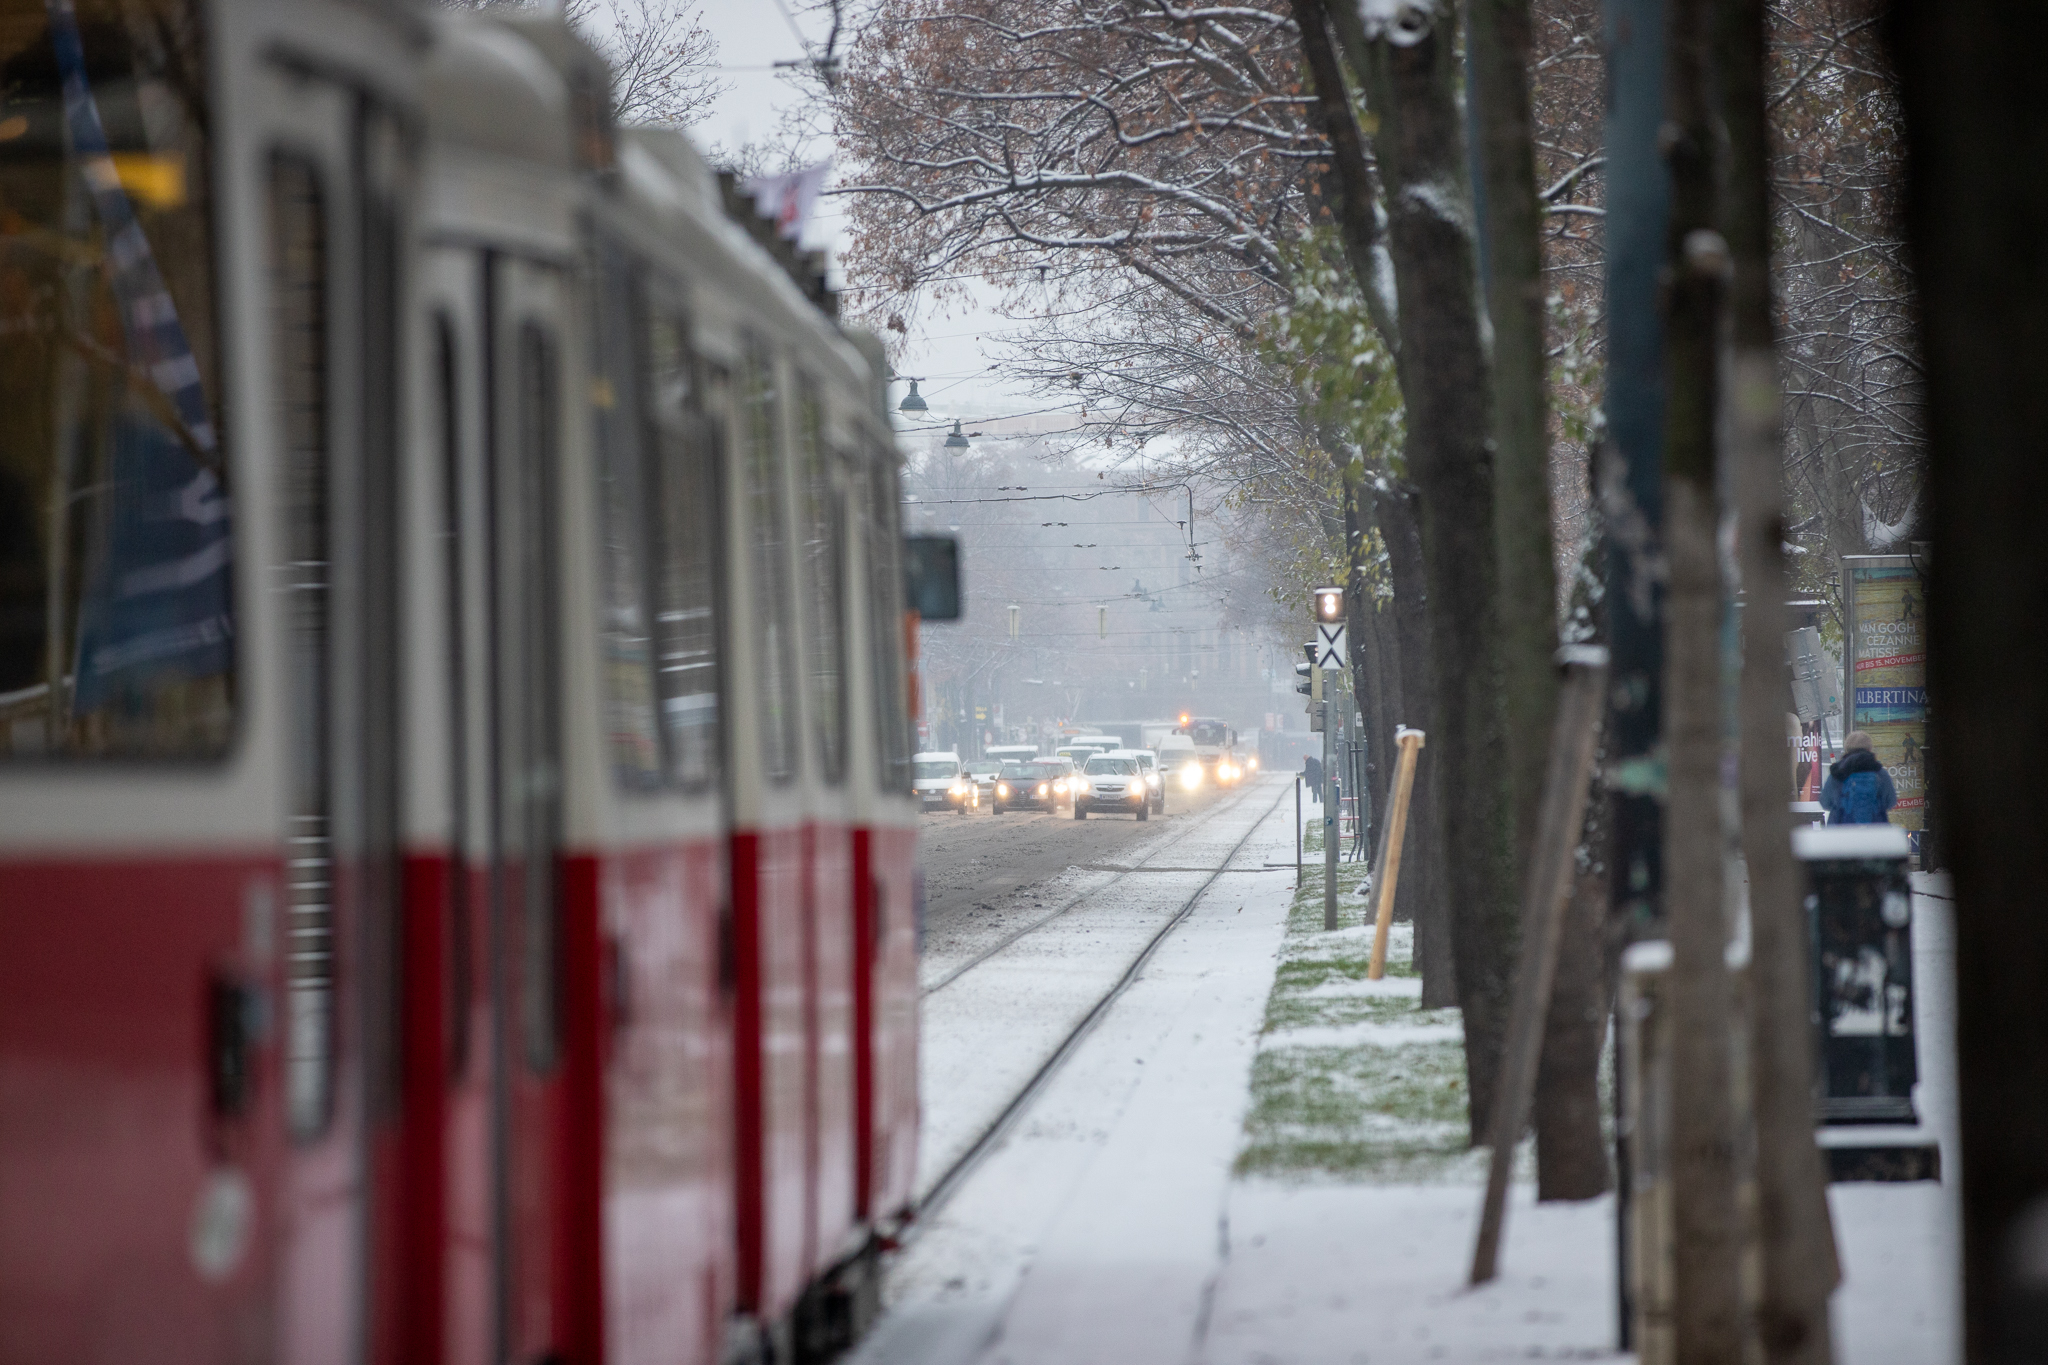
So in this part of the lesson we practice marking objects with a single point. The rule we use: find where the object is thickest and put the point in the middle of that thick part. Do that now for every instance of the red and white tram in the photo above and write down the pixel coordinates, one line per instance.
(455, 866)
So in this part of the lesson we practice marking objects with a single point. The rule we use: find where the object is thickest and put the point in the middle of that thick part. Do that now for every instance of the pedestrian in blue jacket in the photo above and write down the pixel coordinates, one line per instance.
(1858, 790)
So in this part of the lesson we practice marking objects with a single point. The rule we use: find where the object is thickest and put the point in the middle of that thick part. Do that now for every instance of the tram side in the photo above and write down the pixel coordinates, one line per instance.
(482, 927)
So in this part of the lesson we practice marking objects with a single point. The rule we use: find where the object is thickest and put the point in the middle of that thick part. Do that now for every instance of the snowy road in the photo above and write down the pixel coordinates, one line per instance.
(982, 870)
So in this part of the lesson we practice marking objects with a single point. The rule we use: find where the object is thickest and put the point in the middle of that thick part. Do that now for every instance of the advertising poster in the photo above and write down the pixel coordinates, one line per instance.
(1888, 672)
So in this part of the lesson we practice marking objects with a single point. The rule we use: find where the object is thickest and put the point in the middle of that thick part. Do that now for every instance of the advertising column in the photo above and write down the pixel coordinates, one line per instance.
(1888, 673)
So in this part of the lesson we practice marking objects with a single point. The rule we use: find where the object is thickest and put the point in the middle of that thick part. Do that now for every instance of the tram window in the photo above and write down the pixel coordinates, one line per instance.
(627, 528)
(116, 547)
(824, 558)
(298, 285)
(529, 633)
(885, 607)
(774, 647)
(683, 443)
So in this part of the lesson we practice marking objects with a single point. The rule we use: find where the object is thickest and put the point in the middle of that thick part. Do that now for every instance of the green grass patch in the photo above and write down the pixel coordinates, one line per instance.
(1367, 1111)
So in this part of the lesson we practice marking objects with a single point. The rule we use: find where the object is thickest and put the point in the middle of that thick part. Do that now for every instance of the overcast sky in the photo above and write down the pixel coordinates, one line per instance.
(947, 350)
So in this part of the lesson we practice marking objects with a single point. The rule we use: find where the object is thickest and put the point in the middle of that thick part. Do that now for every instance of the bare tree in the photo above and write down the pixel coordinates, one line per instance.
(664, 61)
(1854, 454)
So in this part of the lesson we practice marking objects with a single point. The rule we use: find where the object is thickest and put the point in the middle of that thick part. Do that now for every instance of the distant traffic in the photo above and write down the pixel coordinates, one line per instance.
(1086, 772)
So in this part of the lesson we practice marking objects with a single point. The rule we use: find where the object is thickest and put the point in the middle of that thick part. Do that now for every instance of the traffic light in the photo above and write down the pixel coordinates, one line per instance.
(1329, 605)
(1302, 671)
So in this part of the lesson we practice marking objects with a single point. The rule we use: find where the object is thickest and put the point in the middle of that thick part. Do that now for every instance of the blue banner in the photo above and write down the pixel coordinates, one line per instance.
(158, 600)
(1880, 705)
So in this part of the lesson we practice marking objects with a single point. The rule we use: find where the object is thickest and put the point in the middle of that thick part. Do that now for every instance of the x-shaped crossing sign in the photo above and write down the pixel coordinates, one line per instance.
(1329, 645)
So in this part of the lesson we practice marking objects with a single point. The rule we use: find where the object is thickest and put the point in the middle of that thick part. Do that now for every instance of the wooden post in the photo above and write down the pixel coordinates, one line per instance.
(1385, 878)
(1544, 892)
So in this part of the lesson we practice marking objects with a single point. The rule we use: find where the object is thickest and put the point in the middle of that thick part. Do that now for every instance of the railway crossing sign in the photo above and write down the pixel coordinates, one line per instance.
(1329, 645)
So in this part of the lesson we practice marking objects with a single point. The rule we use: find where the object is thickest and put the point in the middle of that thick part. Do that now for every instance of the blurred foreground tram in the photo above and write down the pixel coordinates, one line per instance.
(455, 859)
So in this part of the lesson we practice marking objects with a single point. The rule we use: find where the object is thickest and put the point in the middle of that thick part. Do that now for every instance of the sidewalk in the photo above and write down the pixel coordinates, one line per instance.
(1258, 1158)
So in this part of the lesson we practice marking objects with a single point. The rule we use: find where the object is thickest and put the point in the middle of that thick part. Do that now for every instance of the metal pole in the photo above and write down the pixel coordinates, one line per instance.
(1630, 485)
(1330, 799)
(1297, 829)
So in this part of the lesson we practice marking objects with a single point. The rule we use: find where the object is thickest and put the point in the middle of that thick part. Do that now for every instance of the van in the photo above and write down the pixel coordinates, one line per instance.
(936, 780)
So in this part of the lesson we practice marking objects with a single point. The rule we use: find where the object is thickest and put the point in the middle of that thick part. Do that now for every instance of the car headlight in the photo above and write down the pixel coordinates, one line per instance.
(1041, 789)
(1060, 786)
(1251, 765)
(1002, 789)
(959, 789)
(1191, 776)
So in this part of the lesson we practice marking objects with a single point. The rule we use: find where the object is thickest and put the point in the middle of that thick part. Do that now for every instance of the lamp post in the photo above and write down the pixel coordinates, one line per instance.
(1329, 609)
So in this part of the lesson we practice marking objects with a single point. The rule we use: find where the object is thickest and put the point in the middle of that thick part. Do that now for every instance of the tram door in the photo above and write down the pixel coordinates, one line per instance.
(523, 803)
(493, 1124)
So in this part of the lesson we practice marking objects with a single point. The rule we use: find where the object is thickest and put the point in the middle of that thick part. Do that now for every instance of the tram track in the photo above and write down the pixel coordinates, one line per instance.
(1208, 818)
(956, 1173)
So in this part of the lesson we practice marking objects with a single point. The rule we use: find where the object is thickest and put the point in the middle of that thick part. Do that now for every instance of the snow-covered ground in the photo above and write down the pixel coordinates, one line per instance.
(1251, 1160)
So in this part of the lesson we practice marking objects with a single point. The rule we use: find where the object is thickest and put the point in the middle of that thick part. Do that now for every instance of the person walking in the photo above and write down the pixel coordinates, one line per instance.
(1858, 790)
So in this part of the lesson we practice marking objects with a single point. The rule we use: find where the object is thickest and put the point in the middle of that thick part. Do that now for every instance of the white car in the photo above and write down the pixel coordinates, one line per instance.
(1112, 782)
(937, 780)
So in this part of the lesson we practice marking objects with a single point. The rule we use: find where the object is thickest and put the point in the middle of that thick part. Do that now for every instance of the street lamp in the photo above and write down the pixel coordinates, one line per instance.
(957, 441)
(913, 401)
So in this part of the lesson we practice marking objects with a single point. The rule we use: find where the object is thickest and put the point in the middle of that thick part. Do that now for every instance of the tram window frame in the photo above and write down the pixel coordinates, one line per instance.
(758, 406)
(823, 550)
(299, 243)
(168, 669)
(885, 601)
(633, 720)
(683, 457)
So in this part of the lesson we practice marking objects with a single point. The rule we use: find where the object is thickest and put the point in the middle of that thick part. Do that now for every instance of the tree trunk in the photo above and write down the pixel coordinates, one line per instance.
(1511, 220)
(1367, 660)
(1419, 897)
(1706, 1235)
(1969, 75)
(1796, 1238)
(1354, 202)
(1571, 1148)
(1571, 1155)
(1446, 385)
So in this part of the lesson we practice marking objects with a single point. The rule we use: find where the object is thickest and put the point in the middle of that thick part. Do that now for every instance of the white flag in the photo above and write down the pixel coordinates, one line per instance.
(786, 199)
